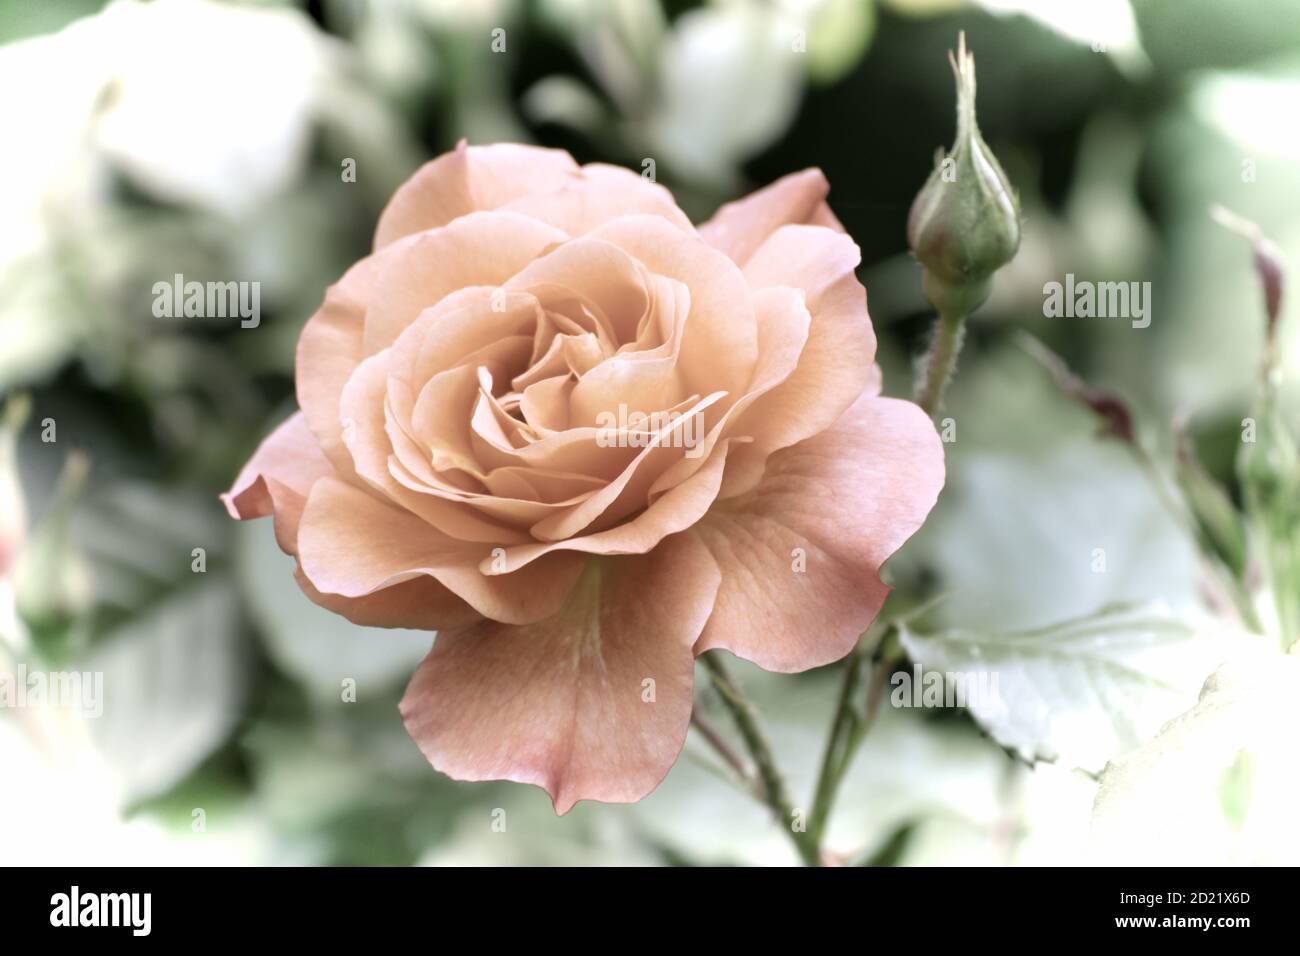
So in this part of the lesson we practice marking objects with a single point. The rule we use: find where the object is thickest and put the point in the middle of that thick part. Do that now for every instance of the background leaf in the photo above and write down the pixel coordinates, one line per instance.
(1080, 691)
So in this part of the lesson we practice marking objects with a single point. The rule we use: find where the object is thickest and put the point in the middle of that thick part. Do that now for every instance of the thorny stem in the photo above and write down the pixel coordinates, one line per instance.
(949, 332)
(773, 791)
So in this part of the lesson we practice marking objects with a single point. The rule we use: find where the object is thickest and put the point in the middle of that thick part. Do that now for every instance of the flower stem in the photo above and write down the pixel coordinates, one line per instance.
(713, 737)
(842, 730)
(849, 727)
(949, 332)
(774, 792)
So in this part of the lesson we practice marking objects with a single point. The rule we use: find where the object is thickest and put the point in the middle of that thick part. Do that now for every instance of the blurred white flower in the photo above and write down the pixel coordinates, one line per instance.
(1217, 787)
(195, 101)
(208, 103)
(67, 810)
(706, 92)
(730, 79)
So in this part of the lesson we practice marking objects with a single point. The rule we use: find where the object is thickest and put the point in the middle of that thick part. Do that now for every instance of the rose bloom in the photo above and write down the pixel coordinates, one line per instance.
(586, 442)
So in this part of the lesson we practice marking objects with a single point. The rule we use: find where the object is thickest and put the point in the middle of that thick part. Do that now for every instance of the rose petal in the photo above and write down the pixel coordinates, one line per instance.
(719, 346)
(365, 412)
(331, 347)
(480, 249)
(782, 321)
(740, 227)
(600, 274)
(598, 194)
(277, 478)
(565, 703)
(835, 365)
(352, 544)
(419, 604)
(471, 178)
(847, 499)
(629, 491)
(676, 510)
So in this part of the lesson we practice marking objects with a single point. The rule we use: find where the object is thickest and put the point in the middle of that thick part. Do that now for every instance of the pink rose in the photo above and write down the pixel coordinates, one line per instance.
(586, 442)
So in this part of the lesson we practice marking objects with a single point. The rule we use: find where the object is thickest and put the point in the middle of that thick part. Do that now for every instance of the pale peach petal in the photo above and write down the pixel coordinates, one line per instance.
(480, 249)
(545, 404)
(475, 326)
(600, 274)
(740, 227)
(590, 704)
(677, 509)
(419, 604)
(628, 492)
(598, 194)
(841, 502)
(364, 409)
(468, 179)
(541, 484)
(510, 497)
(441, 418)
(642, 376)
(719, 346)
(783, 323)
(837, 361)
(352, 544)
(277, 478)
(330, 348)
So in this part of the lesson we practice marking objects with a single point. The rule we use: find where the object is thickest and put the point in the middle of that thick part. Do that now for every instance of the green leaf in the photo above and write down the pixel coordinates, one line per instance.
(1080, 691)
(173, 686)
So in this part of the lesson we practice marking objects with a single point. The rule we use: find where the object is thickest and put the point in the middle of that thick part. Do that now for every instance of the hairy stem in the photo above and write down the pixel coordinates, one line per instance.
(774, 792)
(949, 332)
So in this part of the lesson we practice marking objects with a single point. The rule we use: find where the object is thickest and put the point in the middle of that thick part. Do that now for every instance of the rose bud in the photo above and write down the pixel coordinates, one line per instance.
(965, 221)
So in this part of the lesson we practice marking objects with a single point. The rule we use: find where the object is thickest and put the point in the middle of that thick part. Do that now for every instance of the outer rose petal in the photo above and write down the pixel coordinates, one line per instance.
(330, 348)
(837, 360)
(353, 544)
(598, 194)
(277, 479)
(419, 604)
(560, 703)
(471, 178)
(740, 227)
(482, 249)
(849, 498)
